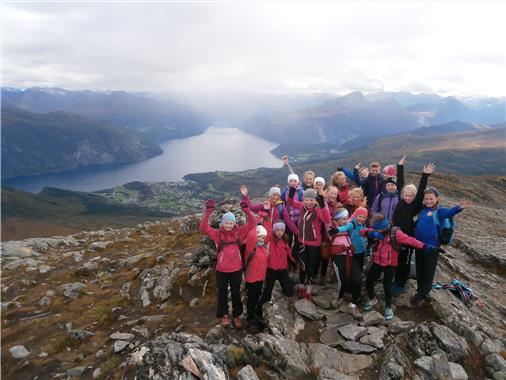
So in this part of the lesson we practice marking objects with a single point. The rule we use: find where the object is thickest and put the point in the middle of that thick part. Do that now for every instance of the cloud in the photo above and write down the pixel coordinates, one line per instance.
(273, 47)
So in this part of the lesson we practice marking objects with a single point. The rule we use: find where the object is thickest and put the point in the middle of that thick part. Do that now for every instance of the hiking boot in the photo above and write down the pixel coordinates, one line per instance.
(389, 314)
(225, 321)
(353, 310)
(369, 304)
(397, 290)
(237, 323)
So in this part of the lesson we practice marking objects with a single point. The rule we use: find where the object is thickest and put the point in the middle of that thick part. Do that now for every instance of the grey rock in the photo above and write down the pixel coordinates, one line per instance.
(216, 334)
(372, 318)
(120, 345)
(72, 290)
(44, 301)
(247, 373)
(330, 374)
(451, 343)
(122, 336)
(324, 301)
(490, 346)
(142, 331)
(280, 321)
(144, 296)
(131, 260)
(307, 309)
(80, 335)
(395, 364)
(99, 354)
(90, 265)
(330, 337)
(321, 356)
(44, 268)
(209, 366)
(399, 327)
(373, 340)
(125, 290)
(100, 245)
(19, 352)
(495, 365)
(357, 348)
(457, 372)
(222, 352)
(352, 332)
(97, 373)
(339, 320)
(76, 371)
(204, 262)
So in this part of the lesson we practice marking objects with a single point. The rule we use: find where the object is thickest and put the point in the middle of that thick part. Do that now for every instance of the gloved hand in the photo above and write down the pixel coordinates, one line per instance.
(333, 231)
(365, 231)
(320, 200)
(244, 205)
(291, 192)
(210, 204)
(263, 215)
(376, 235)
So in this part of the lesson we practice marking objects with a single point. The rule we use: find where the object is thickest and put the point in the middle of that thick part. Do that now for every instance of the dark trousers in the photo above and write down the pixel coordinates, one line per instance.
(310, 256)
(339, 263)
(223, 281)
(404, 265)
(388, 276)
(296, 248)
(253, 292)
(426, 263)
(324, 264)
(272, 276)
(357, 268)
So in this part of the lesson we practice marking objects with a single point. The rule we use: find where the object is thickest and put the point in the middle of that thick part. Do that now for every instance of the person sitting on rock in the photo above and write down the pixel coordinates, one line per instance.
(385, 257)
(280, 256)
(427, 231)
(310, 236)
(410, 204)
(255, 269)
(228, 240)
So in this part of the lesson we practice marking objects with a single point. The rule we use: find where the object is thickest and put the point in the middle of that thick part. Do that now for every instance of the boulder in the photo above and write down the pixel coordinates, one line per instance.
(395, 365)
(278, 317)
(399, 327)
(19, 352)
(120, 345)
(307, 309)
(451, 343)
(122, 336)
(80, 335)
(100, 245)
(247, 373)
(72, 290)
(495, 366)
(321, 356)
(330, 374)
(330, 337)
(339, 320)
(352, 332)
(372, 318)
(356, 348)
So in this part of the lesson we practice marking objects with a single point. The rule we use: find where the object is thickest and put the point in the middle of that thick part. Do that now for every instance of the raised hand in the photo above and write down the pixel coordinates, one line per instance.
(465, 203)
(244, 190)
(320, 200)
(285, 160)
(244, 205)
(357, 166)
(429, 168)
(402, 160)
(267, 205)
(210, 204)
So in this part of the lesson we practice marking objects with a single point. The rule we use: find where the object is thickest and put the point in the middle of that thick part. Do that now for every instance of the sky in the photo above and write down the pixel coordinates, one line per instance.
(449, 48)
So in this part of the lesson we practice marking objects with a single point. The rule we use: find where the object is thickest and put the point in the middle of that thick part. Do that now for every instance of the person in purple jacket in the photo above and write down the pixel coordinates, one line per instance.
(385, 202)
(274, 206)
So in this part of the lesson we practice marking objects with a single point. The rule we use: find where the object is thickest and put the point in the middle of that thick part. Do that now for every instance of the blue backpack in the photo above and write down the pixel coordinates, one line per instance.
(445, 229)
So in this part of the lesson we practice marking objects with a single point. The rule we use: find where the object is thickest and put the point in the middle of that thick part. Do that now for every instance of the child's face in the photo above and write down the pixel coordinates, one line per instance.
(275, 198)
(228, 225)
(309, 203)
(375, 170)
(293, 183)
(364, 172)
(260, 238)
(332, 194)
(356, 199)
(341, 180)
(429, 200)
(391, 188)
(279, 233)
(361, 219)
(409, 197)
(308, 180)
(318, 186)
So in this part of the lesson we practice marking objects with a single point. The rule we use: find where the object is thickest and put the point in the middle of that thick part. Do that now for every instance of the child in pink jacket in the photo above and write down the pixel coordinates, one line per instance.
(228, 239)
(385, 259)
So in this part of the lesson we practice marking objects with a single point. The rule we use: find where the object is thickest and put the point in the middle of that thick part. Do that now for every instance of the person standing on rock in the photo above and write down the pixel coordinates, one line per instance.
(228, 240)
(385, 258)
(310, 236)
(410, 204)
(427, 231)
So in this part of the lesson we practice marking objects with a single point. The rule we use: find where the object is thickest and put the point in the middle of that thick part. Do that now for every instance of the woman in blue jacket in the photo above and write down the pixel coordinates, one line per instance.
(427, 232)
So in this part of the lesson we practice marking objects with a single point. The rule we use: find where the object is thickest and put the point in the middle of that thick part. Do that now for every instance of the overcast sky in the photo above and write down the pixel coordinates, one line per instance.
(455, 48)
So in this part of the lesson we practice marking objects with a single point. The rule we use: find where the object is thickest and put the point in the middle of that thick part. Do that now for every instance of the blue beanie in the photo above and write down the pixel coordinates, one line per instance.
(383, 225)
(228, 216)
(432, 190)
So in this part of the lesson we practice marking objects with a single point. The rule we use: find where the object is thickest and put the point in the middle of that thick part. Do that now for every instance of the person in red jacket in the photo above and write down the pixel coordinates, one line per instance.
(385, 259)
(228, 239)
(338, 179)
(255, 269)
(277, 263)
(310, 236)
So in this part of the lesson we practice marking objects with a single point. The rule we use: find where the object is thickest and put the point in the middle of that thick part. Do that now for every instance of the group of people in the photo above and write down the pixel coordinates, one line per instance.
(320, 228)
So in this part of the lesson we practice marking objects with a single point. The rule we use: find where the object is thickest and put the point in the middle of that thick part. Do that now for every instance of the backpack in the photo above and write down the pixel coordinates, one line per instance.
(381, 196)
(460, 290)
(393, 238)
(445, 228)
(222, 243)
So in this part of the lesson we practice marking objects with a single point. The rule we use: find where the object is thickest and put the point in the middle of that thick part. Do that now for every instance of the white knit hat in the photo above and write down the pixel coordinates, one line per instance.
(261, 231)
(274, 190)
(293, 176)
(319, 179)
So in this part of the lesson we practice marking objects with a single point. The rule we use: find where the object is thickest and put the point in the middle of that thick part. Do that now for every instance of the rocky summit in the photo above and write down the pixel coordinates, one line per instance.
(139, 303)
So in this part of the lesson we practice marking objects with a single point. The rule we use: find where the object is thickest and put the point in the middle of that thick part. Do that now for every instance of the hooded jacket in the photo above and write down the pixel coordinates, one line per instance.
(274, 213)
(404, 212)
(426, 230)
(322, 217)
(256, 267)
(386, 255)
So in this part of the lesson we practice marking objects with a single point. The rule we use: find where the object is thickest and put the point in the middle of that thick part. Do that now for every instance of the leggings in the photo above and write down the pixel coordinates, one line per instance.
(223, 280)
(388, 275)
(426, 263)
(272, 276)
(339, 263)
(357, 268)
(310, 257)
(253, 292)
(404, 266)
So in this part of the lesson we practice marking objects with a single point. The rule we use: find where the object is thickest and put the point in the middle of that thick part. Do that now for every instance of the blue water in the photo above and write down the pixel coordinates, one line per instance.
(217, 149)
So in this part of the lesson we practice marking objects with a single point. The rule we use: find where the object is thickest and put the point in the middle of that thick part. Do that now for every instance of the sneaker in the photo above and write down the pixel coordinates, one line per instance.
(237, 323)
(369, 304)
(389, 314)
(225, 321)
(353, 310)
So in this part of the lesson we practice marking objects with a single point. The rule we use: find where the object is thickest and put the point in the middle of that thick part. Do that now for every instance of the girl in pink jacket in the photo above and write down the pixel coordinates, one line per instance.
(228, 239)
(385, 257)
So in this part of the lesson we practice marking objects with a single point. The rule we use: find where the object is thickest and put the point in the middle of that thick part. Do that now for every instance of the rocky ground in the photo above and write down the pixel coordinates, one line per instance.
(140, 303)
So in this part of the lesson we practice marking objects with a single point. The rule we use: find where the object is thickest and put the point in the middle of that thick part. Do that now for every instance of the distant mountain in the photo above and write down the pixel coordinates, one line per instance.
(335, 121)
(57, 212)
(405, 98)
(159, 117)
(452, 109)
(454, 126)
(36, 143)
